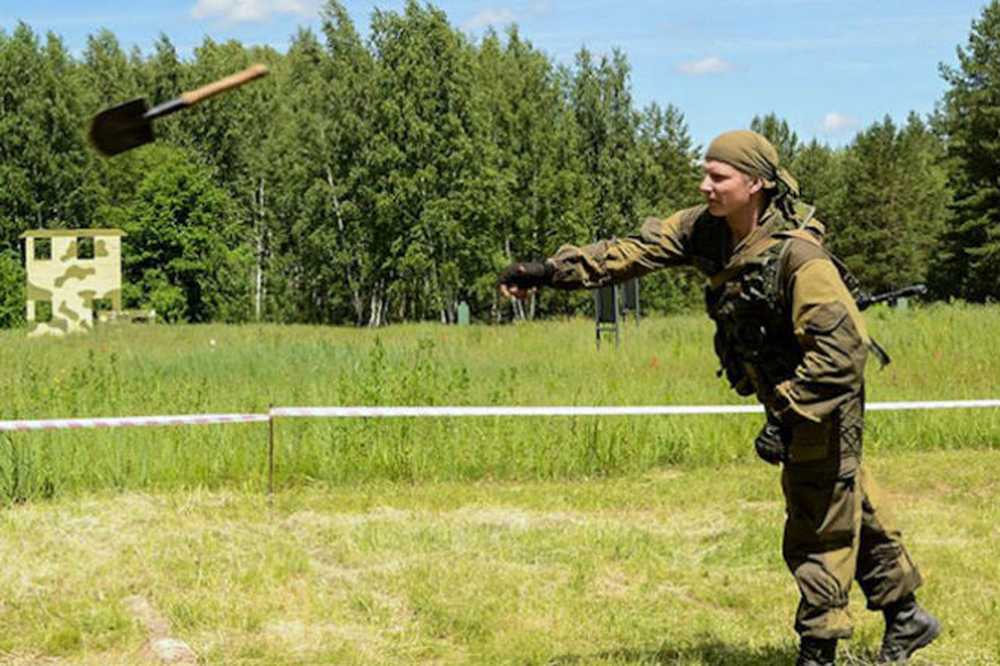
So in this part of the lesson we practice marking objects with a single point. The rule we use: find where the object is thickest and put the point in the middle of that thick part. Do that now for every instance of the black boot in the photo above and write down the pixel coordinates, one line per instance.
(817, 652)
(908, 627)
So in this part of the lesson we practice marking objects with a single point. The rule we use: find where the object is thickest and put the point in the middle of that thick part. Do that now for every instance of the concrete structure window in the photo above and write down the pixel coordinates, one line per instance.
(43, 312)
(85, 248)
(43, 249)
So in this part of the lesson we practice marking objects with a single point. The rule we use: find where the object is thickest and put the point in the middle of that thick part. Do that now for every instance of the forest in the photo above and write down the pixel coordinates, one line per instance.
(387, 176)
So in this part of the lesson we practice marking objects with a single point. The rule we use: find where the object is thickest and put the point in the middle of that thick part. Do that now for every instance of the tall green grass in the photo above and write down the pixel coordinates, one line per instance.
(940, 352)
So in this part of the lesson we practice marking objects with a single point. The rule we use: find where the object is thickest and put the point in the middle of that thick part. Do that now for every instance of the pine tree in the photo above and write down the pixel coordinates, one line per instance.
(818, 169)
(968, 264)
(669, 168)
(894, 204)
(780, 134)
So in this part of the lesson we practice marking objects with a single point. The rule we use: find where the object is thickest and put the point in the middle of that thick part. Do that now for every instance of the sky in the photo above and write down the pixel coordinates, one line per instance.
(829, 67)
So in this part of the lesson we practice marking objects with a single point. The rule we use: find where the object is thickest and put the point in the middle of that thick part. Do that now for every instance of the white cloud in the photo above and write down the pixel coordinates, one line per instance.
(710, 65)
(837, 123)
(495, 17)
(248, 10)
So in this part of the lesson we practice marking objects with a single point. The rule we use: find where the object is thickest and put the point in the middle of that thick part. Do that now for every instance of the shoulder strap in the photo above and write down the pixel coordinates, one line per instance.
(751, 256)
(802, 233)
(853, 287)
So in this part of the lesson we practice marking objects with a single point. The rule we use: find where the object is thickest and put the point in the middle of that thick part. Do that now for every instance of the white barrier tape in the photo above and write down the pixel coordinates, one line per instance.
(131, 422)
(945, 404)
(397, 412)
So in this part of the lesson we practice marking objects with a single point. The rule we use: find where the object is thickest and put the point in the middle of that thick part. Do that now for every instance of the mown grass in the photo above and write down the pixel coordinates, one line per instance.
(676, 566)
(940, 352)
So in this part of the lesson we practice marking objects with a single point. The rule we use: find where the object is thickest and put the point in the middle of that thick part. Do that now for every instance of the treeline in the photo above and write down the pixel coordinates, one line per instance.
(385, 179)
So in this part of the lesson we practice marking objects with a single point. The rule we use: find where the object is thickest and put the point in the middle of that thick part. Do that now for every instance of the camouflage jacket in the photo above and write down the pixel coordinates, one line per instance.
(810, 354)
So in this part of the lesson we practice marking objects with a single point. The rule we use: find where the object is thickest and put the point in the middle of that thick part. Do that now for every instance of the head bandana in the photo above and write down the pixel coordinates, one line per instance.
(755, 156)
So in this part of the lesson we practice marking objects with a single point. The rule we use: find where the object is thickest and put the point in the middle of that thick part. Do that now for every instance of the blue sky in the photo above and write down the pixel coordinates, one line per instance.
(830, 67)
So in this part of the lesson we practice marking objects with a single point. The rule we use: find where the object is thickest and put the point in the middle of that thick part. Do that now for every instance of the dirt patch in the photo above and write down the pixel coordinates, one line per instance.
(160, 646)
(151, 620)
(171, 651)
(300, 638)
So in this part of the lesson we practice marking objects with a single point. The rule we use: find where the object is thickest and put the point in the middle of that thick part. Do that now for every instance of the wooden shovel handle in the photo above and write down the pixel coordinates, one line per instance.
(222, 85)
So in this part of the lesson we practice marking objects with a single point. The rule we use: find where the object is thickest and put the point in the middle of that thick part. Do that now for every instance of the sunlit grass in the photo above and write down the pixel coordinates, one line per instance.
(676, 566)
(474, 541)
(941, 352)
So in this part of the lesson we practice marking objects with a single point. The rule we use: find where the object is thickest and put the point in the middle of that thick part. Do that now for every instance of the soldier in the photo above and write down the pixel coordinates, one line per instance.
(788, 330)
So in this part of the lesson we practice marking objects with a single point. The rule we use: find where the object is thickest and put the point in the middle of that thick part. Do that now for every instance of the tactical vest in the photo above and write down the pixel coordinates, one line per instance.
(754, 336)
(754, 339)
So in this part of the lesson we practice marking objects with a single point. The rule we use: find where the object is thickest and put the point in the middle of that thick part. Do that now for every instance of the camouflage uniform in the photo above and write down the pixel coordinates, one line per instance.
(788, 330)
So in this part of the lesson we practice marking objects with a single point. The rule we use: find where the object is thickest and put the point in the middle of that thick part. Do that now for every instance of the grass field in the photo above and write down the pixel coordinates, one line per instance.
(479, 541)
(944, 352)
(675, 566)
(940, 353)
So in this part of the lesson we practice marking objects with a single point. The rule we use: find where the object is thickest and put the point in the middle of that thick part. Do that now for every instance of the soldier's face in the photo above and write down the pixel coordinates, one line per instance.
(726, 189)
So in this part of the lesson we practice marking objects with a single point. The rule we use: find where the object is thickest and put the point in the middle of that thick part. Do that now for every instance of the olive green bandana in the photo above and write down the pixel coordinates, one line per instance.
(754, 155)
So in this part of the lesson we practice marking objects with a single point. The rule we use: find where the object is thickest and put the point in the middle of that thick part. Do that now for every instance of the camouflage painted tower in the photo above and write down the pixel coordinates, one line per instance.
(71, 273)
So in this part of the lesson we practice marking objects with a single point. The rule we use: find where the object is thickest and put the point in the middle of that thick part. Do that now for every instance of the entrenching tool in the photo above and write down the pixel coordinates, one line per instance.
(130, 125)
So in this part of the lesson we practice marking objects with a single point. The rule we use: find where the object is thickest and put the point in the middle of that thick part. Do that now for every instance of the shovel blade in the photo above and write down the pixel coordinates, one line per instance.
(121, 128)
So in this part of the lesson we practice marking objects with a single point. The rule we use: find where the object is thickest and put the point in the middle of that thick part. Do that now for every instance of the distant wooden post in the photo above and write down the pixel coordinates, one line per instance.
(270, 456)
(606, 313)
(630, 298)
(463, 314)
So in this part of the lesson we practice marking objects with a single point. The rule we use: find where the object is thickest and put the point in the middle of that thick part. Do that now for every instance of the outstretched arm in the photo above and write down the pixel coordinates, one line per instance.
(659, 244)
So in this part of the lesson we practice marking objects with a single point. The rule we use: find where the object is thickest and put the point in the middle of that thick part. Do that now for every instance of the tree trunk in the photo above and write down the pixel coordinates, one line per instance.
(357, 300)
(259, 286)
(515, 304)
(375, 311)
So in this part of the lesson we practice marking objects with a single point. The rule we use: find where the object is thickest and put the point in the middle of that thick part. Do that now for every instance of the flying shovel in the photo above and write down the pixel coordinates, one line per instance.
(130, 125)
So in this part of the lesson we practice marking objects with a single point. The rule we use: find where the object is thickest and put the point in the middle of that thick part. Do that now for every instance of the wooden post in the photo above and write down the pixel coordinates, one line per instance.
(270, 456)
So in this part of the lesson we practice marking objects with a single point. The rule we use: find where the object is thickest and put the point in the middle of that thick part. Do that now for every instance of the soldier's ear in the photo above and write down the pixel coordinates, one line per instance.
(756, 185)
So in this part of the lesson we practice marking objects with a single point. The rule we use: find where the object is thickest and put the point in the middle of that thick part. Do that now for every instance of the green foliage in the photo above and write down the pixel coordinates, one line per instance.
(12, 291)
(670, 171)
(779, 133)
(130, 369)
(969, 264)
(321, 246)
(602, 102)
(185, 255)
(388, 179)
(893, 205)
(42, 154)
(820, 170)
(669, 174)
(430, 153)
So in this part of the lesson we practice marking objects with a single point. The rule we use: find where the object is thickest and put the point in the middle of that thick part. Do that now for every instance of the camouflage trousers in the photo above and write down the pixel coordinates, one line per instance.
(836, 531)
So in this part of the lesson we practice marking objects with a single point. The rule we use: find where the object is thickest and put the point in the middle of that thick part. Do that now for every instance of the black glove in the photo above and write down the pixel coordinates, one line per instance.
(770, 444)
(527, 274)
